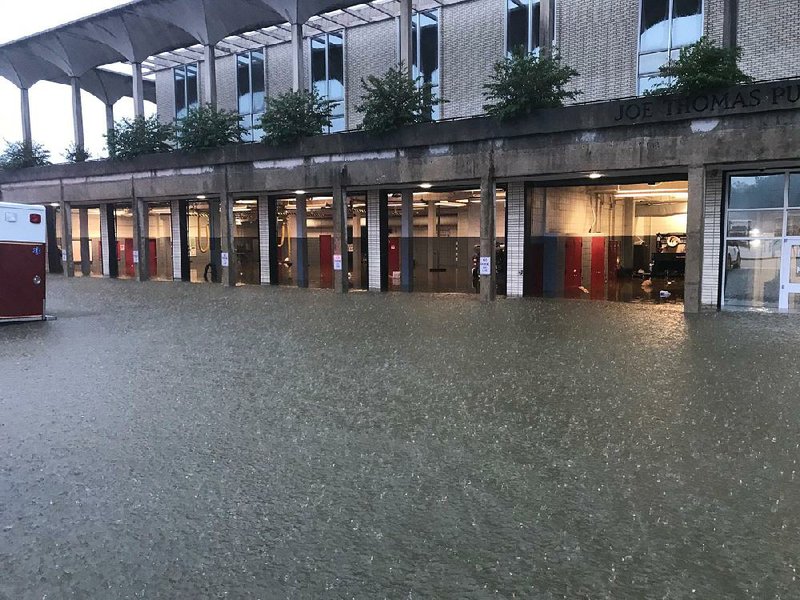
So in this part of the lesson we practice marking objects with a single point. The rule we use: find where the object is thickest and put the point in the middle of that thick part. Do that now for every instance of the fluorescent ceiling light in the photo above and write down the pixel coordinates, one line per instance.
(200, 197)
(426, 186)
(595, 175)
(247, 202)
(299, 192)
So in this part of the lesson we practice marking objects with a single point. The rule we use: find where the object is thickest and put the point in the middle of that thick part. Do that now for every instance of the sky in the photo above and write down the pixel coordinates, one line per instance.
(51, 104)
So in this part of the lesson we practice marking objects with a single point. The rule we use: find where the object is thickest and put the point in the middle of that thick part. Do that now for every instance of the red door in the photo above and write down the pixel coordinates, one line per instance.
(394, 256)
(153, 258)
(125, 251)
(22, 273)
(598, 283)
(326, 261)
(573, 266)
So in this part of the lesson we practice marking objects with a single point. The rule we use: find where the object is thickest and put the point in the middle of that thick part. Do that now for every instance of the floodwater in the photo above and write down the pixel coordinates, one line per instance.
(168, 440)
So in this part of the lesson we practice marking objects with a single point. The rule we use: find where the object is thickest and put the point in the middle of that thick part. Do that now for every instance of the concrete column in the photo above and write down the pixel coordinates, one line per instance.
(377, 241)
(209, 75)
(693, 277)
(53, 252)
(109, 117)
(341, 283)
(227, 226)
(180, 242)
(488, 235)
(301, 245)
(25, 108)
(628, 229)
(175, 238)
(298, 72)
(215, 243)
(730, 23)
(86, 265)
(67, 259)
(141, 260)
(431, 242)
(546, 26)
(77, 113)
(138, 90)
(264, 241)
(516, 238)
(406, 43)
(407, 241)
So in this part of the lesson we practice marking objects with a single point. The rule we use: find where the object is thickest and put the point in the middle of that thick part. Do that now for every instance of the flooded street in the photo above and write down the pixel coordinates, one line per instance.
(189, 441)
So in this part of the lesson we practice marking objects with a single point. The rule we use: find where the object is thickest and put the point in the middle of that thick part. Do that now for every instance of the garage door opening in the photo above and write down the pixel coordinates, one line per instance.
(623, 243)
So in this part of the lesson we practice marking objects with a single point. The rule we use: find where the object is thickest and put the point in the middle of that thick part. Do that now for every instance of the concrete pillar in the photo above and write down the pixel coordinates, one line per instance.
(25, 108)
(209, 75)
(175, 238)
(628, 230)
(341, 263)
(108, 241)
(53, 251)
(67, 259)
(298, 73)
(407, 241)
(109, 117)
(215, 243)
(86, 265)
(141, 250)
(301, 244)
(138, 90)
(180, 241)
(693, 277)
(488, 235)
(730, 23)
(77, 114)
(228, 250)
(406, 43)
(265, 237)
(516, 238)
(546, 26)
(431, 242)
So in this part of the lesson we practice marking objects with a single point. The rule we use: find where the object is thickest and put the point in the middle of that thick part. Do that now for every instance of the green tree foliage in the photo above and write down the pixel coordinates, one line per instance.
(76, 154)
(702, 67)
(295, 115)
(394, 100)
(17, 155)
(142, 135)
(206, 127)
(523, 82)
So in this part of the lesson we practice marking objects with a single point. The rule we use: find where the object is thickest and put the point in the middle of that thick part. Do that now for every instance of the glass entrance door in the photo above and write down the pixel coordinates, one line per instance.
(790, 276)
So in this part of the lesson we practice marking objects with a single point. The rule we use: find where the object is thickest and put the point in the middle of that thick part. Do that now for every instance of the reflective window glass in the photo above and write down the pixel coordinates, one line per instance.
(327, 74)
(180, 92)
(251, 92)
(794, 189)
(517, 26)
(753, 272)
(655, 25)
(336, 67)
(650, 63)
(243, 83)
(755, 223)
(192, 90)
(758, 191)
(258, 85)
(793, 223)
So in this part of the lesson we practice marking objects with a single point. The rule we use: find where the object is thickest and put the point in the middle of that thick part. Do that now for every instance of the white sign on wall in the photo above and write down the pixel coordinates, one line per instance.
(136, 257)
(224, 259)
(486, 265)
(337, 262)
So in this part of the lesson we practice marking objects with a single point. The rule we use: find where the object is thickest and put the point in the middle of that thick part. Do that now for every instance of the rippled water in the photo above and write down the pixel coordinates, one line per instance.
(179, 441)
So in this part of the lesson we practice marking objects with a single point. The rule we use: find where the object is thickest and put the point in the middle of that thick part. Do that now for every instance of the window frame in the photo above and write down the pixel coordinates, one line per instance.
(326, 37)
(248, 136)
(436, 116)
(184, 69)
(529, 4)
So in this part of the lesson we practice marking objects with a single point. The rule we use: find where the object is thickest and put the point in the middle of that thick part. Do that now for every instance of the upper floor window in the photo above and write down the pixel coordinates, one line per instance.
(251, 92)
(522, 25)
(327, 74)
(666, 27)
(187, 91)
(425, 51)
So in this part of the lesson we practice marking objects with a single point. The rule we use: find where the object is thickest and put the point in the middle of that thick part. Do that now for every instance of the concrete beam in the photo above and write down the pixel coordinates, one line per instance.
(298, 72)
(77, 114)
(341, 282)
(488, 235)
(693, 277)
(25, 109)
(138, 90)
(209, 75)
(730, 23)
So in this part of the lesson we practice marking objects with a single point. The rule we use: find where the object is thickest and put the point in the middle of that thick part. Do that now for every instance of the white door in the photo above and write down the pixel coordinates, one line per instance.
(790, 276)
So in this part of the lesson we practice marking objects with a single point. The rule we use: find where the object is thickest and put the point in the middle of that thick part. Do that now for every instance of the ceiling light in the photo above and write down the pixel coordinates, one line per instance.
(595, 175)
(54, 204)
(201, 197)
(247, 202)
(300, 192)
(426, 186)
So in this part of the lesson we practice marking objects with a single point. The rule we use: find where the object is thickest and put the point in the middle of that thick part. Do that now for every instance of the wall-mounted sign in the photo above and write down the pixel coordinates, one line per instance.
(64, 256)
(225, 259)
(136, 257)
(337, 262)
(486, 265)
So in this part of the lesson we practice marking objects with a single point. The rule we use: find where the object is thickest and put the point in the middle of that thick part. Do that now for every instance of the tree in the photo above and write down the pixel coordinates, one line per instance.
(18, 155)
(206, 127)
(295, 115)
(76, 154)
(142, 135)
(523, 82)
(394, 100)
(702, 67)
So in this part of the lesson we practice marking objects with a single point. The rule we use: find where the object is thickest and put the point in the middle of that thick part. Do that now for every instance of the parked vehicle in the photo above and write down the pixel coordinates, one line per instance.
(23, 237)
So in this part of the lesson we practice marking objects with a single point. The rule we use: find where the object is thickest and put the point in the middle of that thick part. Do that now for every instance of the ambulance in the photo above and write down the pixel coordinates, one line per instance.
(23, 250)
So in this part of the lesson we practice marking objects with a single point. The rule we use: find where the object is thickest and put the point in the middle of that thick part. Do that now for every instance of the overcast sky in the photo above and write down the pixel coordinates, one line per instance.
(51, 104)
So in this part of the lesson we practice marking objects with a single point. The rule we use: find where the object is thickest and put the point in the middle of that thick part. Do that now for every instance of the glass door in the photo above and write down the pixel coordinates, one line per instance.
(790, 276)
